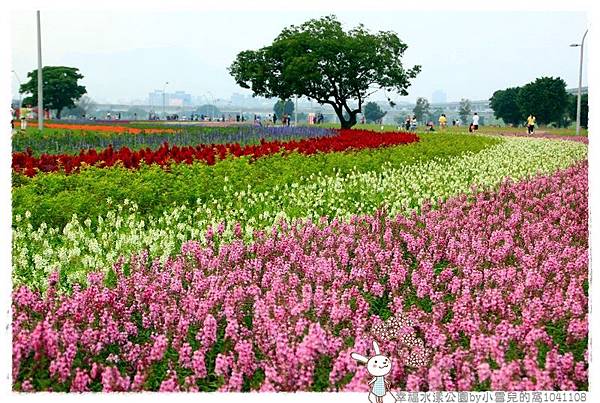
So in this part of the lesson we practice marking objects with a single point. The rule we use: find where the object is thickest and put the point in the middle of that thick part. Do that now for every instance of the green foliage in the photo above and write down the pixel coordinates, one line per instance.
(514, 352)
(379, 306)
(558, 331)
(372, 112)
(546, 98)
(323, 368)
(283, 107)
(505, 106)
(321, 61)
(421, 109)
(464, 111)
(254, 382)
(59, 85)
(54, 198)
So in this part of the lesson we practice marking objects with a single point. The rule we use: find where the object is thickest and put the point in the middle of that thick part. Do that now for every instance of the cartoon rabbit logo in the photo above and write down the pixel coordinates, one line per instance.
(379, 366)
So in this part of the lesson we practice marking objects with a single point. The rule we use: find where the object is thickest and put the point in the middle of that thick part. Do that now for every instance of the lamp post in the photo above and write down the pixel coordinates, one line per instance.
(20, 95)
(39, 76)
(574, 45)
(164, 95)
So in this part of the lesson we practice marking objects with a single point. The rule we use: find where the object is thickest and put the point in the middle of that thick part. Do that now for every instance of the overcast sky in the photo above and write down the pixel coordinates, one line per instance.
(125, 55)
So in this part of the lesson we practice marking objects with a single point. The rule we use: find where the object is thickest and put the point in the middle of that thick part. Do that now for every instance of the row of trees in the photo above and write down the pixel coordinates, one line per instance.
(423, 112)
(546, 98)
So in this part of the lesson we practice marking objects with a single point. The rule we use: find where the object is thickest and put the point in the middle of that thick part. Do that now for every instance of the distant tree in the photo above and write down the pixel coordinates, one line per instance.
(321, 61)
(136, 112)
(505, 106)
(282, 107)
(83, 107)
(208, 110)
(584, 109)
(421, 109)
(464, 110)
(60, 87)
(373, 112)
(435, 114)
(546, 98)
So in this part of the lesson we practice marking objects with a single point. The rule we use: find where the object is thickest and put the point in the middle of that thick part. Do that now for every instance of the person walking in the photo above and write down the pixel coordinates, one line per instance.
(413, 124)
(475, 122)
(407, 123)
(442, 120)
(530, 124)
(24, 114)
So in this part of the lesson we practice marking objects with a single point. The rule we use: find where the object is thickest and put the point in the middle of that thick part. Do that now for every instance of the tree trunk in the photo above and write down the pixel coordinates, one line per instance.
(345, 124)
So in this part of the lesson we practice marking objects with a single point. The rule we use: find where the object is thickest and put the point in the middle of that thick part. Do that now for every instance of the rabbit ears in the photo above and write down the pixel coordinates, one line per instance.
(362, 358)
(359, 358)
(376, 348)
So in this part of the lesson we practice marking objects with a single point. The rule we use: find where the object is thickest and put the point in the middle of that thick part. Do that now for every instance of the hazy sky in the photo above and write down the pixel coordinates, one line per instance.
(124, 54)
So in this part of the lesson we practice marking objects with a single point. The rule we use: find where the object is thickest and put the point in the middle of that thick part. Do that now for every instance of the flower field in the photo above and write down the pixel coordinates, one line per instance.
(263, 271)
(209, 153)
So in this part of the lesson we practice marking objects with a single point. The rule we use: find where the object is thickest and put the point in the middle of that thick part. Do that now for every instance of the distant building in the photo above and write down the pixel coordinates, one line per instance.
(438, 97)
(178, 98)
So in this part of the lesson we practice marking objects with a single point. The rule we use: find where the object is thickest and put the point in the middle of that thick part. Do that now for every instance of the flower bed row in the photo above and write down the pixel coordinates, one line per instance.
(105, 128)
(94, 238)
(496, 282)
(210, 153)
(69, 142)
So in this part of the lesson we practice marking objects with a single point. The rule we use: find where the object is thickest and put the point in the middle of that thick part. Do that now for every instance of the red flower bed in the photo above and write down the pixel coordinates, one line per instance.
(209, 153)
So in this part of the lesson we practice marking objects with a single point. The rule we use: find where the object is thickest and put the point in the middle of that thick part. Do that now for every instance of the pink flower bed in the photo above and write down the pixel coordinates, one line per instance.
(495, 285)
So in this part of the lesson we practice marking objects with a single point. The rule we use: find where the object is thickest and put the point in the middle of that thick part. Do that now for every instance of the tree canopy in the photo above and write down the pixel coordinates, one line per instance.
(373, 112)
(546, 98)
(60, 88)
(464, 110)
(505, 106)
(282, 107)
(321, 61)
(421, 109)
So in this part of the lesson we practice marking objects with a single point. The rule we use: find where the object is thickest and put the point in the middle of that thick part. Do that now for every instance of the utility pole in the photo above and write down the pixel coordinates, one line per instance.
(580, 77)
(40, 76)
(296, 110)
(164, 95)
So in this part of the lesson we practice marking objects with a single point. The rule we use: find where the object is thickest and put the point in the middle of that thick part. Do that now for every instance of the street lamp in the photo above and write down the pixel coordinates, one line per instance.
(574, 45)
(164, 90)
(20, 95)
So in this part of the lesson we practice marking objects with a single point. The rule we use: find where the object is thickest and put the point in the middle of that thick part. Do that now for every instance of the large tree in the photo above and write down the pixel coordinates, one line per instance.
(464, 110)
(546, 98)
(60, 88)
(282, 107)
(321, 61)
(373, 112)
(505, 106)
(421, 109)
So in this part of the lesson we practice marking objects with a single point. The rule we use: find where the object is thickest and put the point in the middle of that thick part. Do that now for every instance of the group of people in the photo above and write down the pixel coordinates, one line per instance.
(410, 123)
